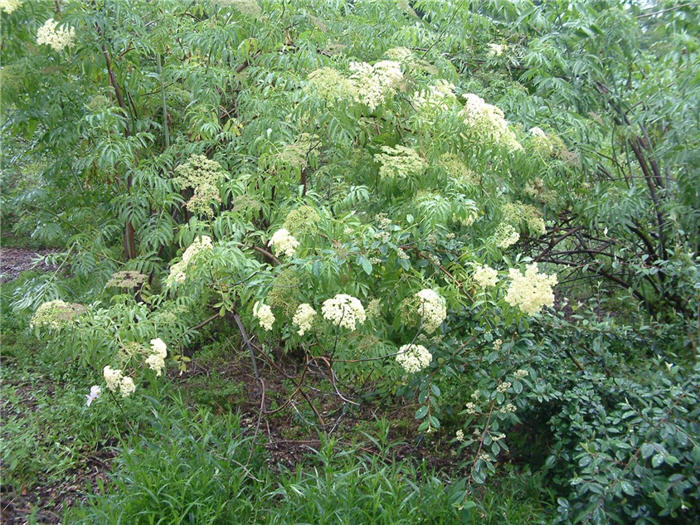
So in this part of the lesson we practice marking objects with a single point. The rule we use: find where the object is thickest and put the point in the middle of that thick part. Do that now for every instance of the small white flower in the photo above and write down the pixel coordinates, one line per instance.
(459, 435)
(95, 392)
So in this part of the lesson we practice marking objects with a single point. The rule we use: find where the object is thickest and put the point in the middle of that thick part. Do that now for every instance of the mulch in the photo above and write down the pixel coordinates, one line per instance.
(14, 261)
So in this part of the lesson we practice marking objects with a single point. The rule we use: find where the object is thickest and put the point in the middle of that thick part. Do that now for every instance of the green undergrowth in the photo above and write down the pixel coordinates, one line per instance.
(186, 455)
(203, 468)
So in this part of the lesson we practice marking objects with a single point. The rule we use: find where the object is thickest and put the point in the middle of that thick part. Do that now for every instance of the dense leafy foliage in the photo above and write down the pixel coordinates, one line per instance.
(488, 207)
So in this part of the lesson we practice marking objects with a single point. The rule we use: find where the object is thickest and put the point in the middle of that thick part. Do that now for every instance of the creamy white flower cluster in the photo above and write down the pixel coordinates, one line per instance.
(367, 84)
(375, 83)
(537, 132)
(56, 37)
(264, 314)
(344, 310)
(414, 358)
(432, 309)
(9, 5)
(488, 120)
(282, 242)
(116, 380)
(485, 276)
(156, 361)
(497, 49)
(530, 291)
(177, 270)
(303, 318)
(399, 162)
(437, 96)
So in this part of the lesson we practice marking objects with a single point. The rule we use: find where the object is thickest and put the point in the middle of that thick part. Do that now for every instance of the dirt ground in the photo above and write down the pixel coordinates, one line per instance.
(14, 261)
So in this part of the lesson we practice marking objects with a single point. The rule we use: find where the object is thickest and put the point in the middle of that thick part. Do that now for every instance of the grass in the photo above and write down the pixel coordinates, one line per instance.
(188, 455)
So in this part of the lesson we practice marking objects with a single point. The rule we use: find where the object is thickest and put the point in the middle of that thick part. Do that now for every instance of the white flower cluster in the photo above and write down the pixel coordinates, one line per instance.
(156, 361)
(177, 270)
(530, 291)
(431, 309)
(367, 84)
(56, 37)
(9, 5)
(283, 242)
(414, 358)
(485, 276)
(520, 373)
(344, 310)
(537, 132)
(375, 83)
(459, 435)
(472, 408)
(264, 314)
(503, 387)
(437, 96)
(497, 49)
(488, 120)
(303, 318)
(117, 381)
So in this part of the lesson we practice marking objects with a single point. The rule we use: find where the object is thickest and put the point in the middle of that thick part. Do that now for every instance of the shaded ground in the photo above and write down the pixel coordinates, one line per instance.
(14, 261)
(47, 502)
(43, 501)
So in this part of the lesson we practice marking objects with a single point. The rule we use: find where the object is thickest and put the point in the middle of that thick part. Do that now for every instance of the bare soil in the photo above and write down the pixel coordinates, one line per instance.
(14, 261)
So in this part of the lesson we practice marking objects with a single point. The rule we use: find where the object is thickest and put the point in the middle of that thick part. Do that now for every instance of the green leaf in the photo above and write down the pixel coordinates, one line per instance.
(366, 265)
(421, 412)
(627, 488)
